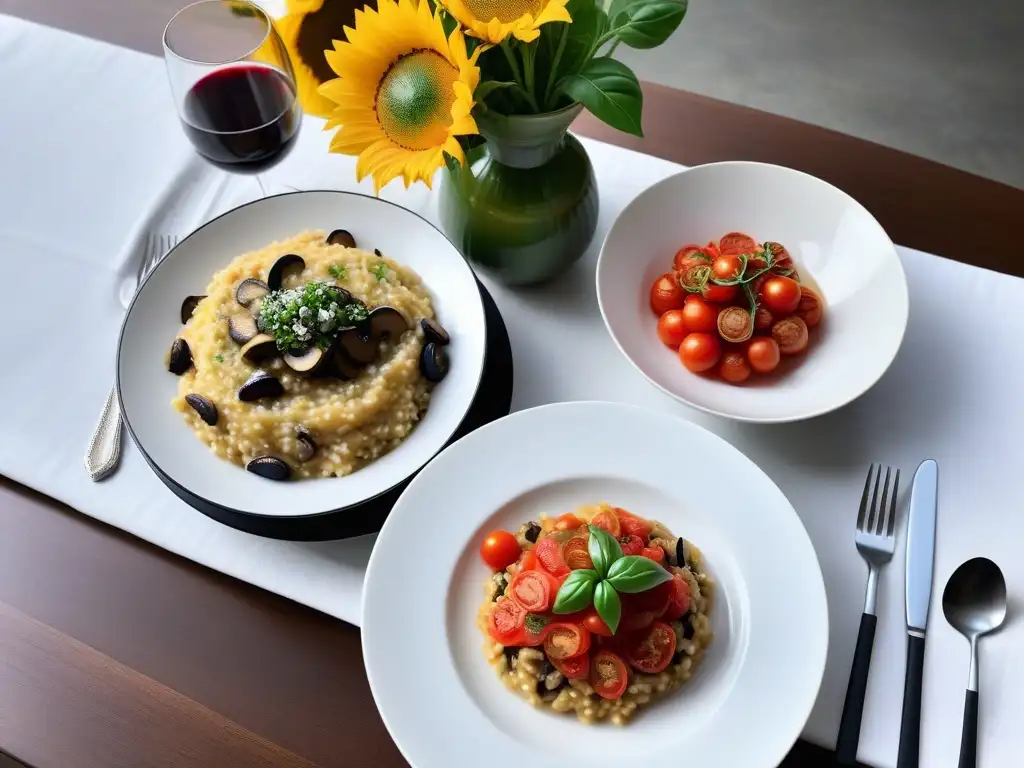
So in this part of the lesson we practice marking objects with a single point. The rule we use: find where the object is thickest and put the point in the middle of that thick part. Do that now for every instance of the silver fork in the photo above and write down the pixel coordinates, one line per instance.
(104, 452)
(876, 541)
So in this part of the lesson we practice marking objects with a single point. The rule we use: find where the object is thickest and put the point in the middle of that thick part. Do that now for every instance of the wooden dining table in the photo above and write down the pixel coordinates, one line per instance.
(114, 653)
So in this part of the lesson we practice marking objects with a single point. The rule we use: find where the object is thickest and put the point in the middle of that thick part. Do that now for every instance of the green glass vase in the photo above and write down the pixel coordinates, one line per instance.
(524, 206)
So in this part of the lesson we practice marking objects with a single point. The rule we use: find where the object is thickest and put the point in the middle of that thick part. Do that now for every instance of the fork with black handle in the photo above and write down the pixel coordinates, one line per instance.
(876, 541)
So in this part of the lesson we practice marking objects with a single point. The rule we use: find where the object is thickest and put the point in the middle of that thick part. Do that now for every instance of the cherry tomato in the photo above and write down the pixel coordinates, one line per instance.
(567, 522)
(632, 620)
(507, 621)
(565, 640)
(529, 562)
(595, 625)
(666, 294)
(631, 525)
(679, 602)
(781, 295)
(576, 668)
(700, 352)
(763, 319)
(727, 266)
(672, 327)
(763, 354)
(631, 545)
(734, 368)
(549, 553)
(811, 307)
(576, 554)
(737, 242)
(607, 520)
(735, 324)
(500, 549)
(651, 651)
(699, 316)
(692, 254)
(790, 333)
(781, 258)
(654, 601)
(657, 554)
(718, 293)
(608, 675)
(534, 590)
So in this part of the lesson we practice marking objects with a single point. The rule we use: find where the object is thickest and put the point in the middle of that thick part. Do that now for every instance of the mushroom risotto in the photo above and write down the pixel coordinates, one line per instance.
(597, 612)
(308, 358)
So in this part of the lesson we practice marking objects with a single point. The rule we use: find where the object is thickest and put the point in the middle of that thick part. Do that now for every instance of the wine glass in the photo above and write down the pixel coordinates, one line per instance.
(233, 85)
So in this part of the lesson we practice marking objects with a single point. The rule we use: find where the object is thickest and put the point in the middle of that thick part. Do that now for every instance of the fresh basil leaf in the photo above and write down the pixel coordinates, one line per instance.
(608, 605)
(576, 591)
(610, 90)
(633, 574)
(604, 549)
(649, 23)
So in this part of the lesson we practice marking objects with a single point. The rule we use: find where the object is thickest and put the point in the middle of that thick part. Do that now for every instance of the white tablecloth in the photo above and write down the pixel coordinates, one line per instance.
(92, 155)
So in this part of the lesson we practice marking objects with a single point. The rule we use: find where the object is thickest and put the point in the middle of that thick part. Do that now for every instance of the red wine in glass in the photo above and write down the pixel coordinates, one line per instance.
(242, 118)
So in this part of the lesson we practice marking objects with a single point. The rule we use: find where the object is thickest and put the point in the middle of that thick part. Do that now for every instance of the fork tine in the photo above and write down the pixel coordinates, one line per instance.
(874, 510)
(862, 514)
(892, 517)
(883, 507)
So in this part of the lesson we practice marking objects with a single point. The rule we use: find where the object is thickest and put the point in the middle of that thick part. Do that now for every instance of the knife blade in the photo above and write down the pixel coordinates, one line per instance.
(920, 562)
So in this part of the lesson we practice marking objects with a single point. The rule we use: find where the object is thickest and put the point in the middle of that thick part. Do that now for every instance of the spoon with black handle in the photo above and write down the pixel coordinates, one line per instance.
(974, 603)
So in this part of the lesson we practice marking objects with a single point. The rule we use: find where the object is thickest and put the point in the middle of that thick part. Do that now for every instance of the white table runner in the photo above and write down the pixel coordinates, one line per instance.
(92, 155)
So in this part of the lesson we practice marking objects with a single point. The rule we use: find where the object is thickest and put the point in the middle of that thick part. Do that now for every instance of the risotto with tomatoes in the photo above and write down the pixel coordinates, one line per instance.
(597, 612)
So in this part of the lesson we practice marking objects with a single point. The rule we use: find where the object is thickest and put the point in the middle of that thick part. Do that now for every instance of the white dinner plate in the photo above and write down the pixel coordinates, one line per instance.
(146, 388)
(444, 704)
(833, 239)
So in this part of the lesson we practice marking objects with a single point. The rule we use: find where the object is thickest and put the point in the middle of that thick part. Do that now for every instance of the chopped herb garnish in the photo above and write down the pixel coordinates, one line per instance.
(337, 271)
(219, 358)
(309, 314)
(380, 271)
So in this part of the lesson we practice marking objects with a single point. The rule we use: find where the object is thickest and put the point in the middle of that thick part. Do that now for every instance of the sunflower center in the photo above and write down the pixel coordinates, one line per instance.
(504, 11)
(414, 100)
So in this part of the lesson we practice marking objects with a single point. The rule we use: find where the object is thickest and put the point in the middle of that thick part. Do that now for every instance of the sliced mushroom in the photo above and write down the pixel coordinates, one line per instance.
(433, 362)
(269, 467)
(386, 323)
(242, 328)
(181, 357)
(344, 366)
(434, 332)
(276, 275)
(260, 385)
(306, 444)
(259, 348)
(188, 306)
(348, 297)
(308, 361)
(358, 345)
(204, 407)
(341, 237)
(249, 290)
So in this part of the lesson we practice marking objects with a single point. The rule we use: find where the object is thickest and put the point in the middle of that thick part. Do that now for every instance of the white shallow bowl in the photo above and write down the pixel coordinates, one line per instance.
(146, 388)
(831, 237)
(444, 705)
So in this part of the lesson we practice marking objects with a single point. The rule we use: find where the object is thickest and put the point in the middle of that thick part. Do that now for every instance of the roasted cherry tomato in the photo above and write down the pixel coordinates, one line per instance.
(529, 562)
(507, 621)
(607, 520)
(763, 354)
(631, 544)
(734, 368)
(549, 553)
(763, 319)
(653, 600)
(790, 333)
(576, 554)
(566, 640)
(500, 549)
(567, 522)
(727, 266)
(735, 324)
(811, 307)
(666, 294)
(651, 651)
(699, 316)
(657, 554)
(719, 294)
(534, 590)
(608, 675)
(632, 525)
(781, 295)
(672, 328)
(679, 602)
(692, 254)
(737, 242)
(576, 668)
(782, 260)
(595, 625)
(700, 352)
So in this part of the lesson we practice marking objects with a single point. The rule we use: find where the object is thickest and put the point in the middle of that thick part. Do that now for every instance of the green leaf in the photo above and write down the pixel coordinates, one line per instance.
(633, 574)
(589, 22)
(648, 24)
(610, 90)
(535, 622)
(576, 591)
(485, 89)
(608, 605)
(604, 549)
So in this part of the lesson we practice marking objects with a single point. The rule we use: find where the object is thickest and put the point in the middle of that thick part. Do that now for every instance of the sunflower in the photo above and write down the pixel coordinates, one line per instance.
(403, 92)
(308, 30)
(494, 20)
